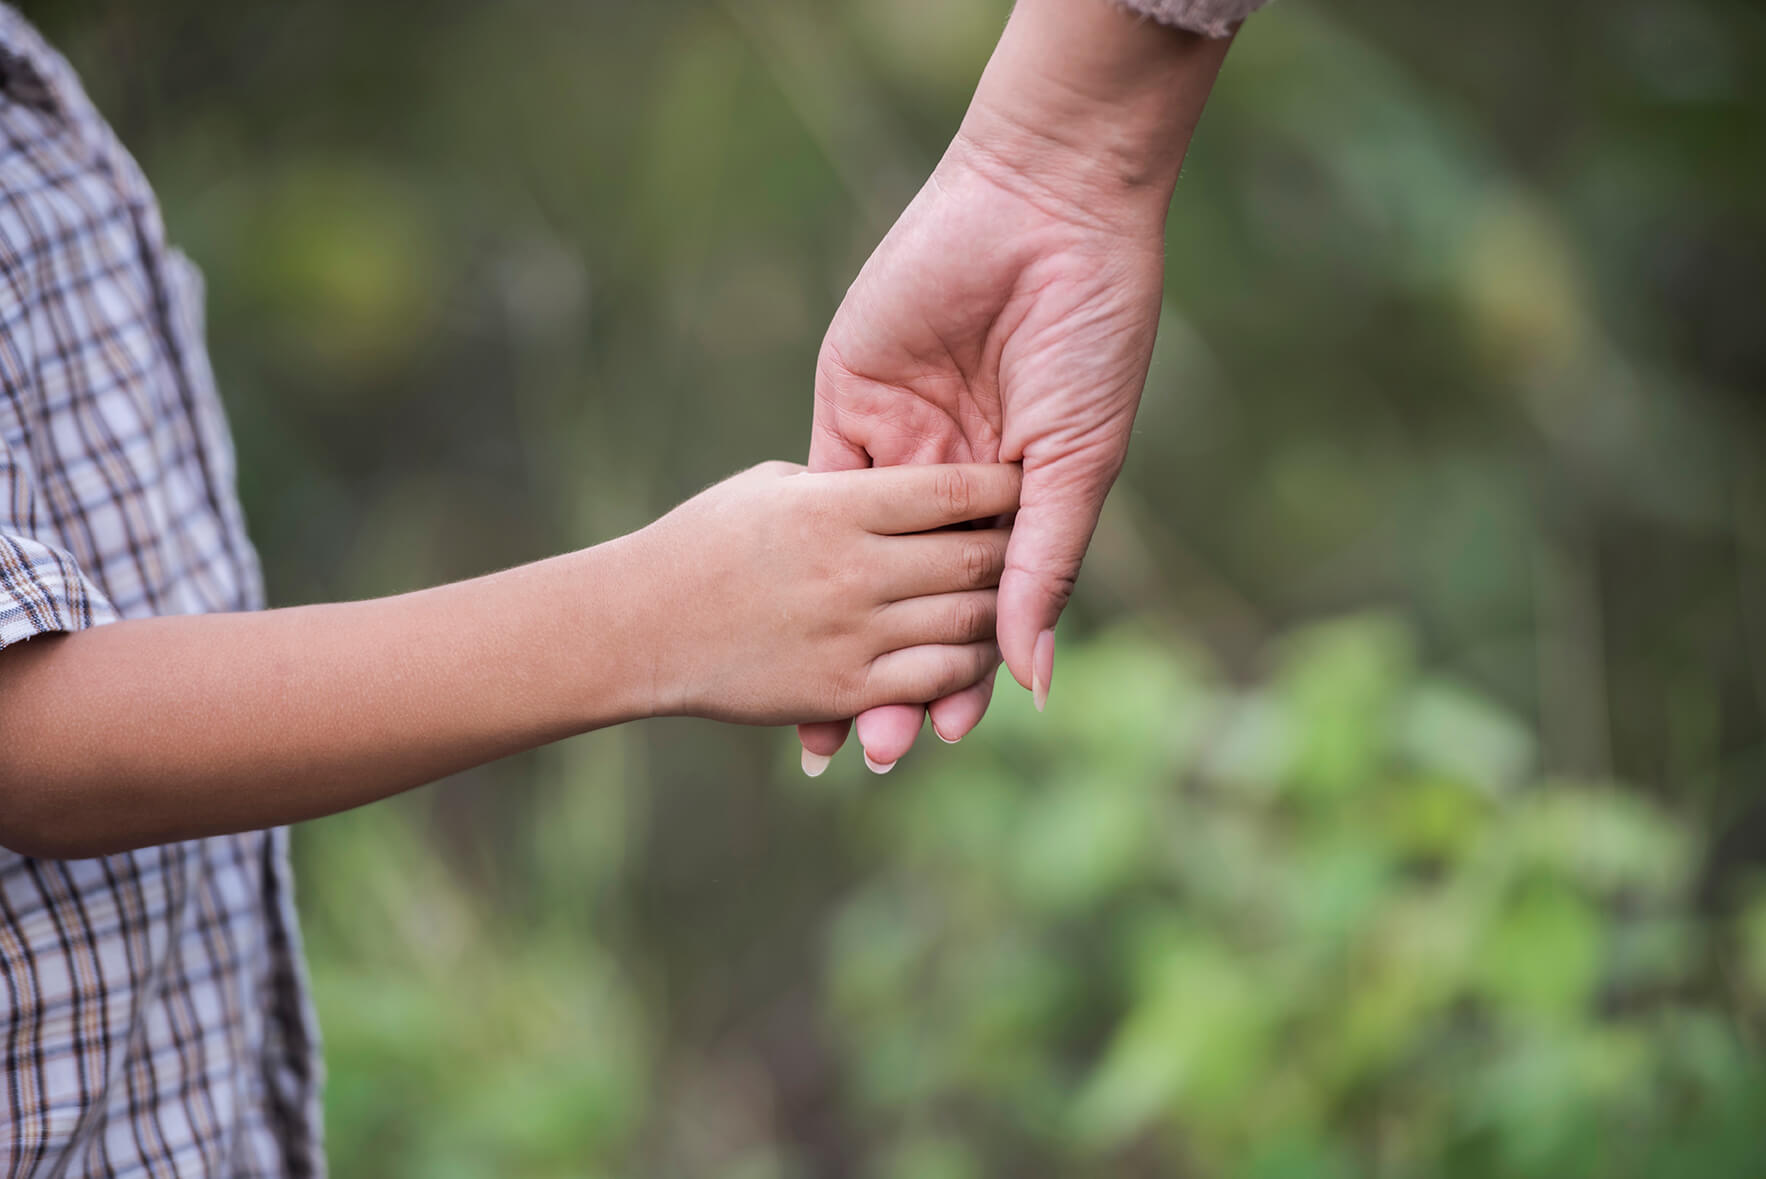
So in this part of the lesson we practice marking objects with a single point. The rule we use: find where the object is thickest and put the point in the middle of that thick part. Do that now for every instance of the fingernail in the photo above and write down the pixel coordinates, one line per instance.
(878, 769)
(1042, 668)
(815, 763)
(942, 737)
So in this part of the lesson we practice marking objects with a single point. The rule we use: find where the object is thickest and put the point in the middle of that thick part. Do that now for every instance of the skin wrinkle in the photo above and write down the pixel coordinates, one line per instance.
(893, 410)
(972, 407)
(994, 166)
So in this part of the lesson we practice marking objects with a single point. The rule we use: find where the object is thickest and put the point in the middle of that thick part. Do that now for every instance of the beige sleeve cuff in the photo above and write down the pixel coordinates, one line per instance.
(1211, 18)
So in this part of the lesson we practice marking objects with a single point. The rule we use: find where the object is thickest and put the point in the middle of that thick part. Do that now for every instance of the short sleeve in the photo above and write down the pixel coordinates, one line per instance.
(1211, 18)
(42, 591)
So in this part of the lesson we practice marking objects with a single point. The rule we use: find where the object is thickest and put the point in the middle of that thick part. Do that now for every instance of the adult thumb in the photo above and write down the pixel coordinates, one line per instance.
(1049, 540)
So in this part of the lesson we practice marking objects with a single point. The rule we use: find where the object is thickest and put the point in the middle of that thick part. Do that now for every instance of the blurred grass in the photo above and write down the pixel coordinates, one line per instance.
(1462, 328)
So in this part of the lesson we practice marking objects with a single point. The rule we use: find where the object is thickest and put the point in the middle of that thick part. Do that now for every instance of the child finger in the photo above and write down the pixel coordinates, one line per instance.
(886, 733)
(941, 562)
(967, 617)
(895, 500)
(919, 675)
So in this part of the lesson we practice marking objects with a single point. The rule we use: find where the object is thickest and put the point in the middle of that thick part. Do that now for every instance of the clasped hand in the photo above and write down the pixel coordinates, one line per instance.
(792, 596)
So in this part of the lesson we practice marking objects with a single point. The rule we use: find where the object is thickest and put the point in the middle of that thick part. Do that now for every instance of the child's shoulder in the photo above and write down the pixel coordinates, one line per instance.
(68, 190)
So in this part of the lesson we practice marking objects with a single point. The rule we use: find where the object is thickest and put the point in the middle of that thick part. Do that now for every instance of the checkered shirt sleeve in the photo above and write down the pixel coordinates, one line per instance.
(41, 589)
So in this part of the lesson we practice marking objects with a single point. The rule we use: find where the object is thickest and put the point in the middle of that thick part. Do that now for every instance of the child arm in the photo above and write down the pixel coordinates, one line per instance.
(772, 597)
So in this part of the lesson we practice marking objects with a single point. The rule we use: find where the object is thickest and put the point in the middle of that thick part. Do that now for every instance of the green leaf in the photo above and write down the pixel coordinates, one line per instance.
(1541, 954)
(1342, 681)
(1446, 730)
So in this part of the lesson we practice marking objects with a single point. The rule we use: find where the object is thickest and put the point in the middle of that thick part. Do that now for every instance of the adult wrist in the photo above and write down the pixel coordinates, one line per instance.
(1089, 104)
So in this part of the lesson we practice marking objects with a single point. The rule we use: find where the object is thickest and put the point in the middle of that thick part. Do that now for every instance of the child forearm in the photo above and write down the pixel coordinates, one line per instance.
(770, 598)
(155, 730)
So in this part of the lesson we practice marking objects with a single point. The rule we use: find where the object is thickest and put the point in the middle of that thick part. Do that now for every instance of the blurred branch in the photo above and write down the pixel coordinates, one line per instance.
(1153, 572)
(833, 97)
(1573, 706)
(1750, 575)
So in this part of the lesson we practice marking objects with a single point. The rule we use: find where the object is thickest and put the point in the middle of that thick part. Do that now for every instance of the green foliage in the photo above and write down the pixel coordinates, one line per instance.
(1099, 938)
(459, 1042)
(1368, 956)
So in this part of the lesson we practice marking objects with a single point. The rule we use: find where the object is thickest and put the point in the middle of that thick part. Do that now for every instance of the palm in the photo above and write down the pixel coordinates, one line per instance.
(987, 328)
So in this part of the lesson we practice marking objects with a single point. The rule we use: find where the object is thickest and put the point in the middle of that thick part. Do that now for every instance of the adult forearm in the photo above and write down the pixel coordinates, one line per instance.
(1092, 102)
(149, 731)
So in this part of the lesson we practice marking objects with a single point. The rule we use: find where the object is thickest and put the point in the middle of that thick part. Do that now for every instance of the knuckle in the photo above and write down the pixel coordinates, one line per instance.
(1061, 589)
(978, 563)
(969, 618)
(1056, 586)
(954, 493)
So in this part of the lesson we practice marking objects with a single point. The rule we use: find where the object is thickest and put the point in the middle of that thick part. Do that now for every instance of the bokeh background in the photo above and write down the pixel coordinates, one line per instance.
(1398, 807)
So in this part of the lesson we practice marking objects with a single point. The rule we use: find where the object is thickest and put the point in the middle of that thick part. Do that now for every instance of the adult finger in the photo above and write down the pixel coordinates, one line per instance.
(887, 732)
(821, 740)
(1049, 539)
(955, 716)
(829, 449)
(894, 500)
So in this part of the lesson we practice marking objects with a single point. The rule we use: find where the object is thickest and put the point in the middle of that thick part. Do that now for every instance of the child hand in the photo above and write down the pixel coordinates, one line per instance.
(786, 596)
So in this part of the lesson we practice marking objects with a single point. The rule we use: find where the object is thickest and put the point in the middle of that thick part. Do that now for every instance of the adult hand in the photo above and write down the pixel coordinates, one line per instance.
(1010, 313)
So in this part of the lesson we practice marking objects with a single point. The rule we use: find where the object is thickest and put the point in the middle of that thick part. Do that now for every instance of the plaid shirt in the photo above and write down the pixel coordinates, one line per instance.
(153, 1010)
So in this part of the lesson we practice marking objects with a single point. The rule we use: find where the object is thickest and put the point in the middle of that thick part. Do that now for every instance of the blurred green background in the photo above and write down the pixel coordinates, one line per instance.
(1397, 810)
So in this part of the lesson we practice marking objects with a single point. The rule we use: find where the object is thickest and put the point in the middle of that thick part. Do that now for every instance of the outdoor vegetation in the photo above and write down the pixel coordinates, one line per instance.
(1398, 808)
